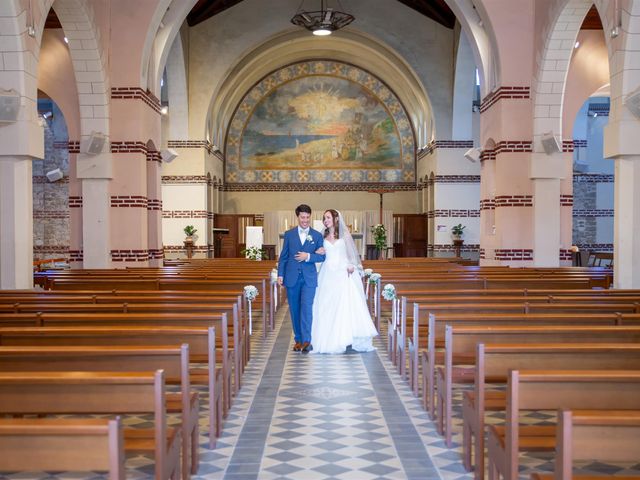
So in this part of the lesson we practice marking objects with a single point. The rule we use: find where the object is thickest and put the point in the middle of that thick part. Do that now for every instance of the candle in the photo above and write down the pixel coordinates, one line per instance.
(286, 224)
(355, 225)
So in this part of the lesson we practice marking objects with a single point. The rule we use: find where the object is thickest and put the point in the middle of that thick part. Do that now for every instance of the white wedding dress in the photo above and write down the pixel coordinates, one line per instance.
(340, 314)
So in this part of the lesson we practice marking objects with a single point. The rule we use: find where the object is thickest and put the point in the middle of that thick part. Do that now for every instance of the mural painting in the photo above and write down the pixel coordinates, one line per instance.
(318, 122)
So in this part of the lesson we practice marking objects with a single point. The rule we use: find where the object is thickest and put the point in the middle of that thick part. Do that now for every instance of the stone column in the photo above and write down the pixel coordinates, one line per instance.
(16, 222)
(626, 245)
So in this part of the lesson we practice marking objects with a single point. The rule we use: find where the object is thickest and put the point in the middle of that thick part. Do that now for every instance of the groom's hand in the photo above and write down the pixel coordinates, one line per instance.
(320, 251)
(302, 256)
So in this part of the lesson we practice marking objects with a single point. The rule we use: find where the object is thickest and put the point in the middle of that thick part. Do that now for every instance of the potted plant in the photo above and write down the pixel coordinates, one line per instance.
(379, 238)
(457, 231)
(189, 231)
(254, 253)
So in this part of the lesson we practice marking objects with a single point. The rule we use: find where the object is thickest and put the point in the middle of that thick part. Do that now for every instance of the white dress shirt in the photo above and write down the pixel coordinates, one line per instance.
(303, 232)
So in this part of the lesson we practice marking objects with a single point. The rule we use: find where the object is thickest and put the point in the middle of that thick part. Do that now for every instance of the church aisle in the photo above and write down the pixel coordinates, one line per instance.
(326, 416)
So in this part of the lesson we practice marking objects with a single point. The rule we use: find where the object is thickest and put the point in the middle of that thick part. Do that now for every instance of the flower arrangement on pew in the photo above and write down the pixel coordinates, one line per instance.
(250, 293)
(374, 279)
(389, 292)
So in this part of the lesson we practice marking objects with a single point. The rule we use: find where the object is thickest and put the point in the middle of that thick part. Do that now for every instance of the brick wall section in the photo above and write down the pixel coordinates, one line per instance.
(185, 214)
(514, 146)
(514, 254)
(567, 146)
(434, 145)
(453, 213)
(487, 155)
(565, 255)
(513, 201)
(137, 93)
(180, 248)
(593, 213)
(76, 255)
(129, 255)
(129, 201)
(443, 248)
(128, 147)
(154, 204)
(566, 200)
(154, 156)
(504, 93)
(155, 254)
(487, 204)
(75, 202)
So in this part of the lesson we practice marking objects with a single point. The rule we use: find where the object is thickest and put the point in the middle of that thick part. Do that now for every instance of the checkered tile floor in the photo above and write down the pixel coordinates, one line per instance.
(327, 417)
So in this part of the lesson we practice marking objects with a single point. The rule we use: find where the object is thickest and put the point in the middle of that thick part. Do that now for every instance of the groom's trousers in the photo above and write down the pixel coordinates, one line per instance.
(300, 297)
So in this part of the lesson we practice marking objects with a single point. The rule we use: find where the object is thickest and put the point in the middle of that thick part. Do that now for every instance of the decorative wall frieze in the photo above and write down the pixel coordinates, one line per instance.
(596, 247)
(504, 93)
(184, 179)
(181, 249)
(579, 143)
(42, 179)
(317, 187)
(450, 248)
(51, 249)
(137, 93)
(456, 179)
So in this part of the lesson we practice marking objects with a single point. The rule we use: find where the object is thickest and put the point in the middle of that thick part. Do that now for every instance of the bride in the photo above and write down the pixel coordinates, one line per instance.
(340, 314)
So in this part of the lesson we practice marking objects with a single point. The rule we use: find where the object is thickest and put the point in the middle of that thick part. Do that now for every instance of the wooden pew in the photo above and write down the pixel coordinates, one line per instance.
(550, 390)
(492, 365)
(461, 342)
(231, 357)
(52, 363)
(62, 444)
(202, 350)
(602, 435)
(105, 393)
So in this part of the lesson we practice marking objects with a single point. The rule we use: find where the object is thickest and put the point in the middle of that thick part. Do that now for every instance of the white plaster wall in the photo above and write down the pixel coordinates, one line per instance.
(465, 81)
(183, 198)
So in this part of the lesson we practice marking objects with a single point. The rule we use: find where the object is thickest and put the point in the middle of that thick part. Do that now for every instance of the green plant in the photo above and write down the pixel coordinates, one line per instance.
(458, 229)
(379, 236)
(253, 253)
(189, 230)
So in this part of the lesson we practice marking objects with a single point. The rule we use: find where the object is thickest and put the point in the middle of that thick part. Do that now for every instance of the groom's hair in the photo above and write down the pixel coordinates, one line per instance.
(303, 209)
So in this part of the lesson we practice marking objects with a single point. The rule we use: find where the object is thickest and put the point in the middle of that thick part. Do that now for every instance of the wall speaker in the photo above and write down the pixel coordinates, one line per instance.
(94, 144)
(632, 102)
(550, 143)
(9, 106)
(473, 154)
(168, 155)
(55, 175)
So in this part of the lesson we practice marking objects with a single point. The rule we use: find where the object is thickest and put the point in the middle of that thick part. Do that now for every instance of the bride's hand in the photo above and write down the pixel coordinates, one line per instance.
(350, 269)
(320, 251)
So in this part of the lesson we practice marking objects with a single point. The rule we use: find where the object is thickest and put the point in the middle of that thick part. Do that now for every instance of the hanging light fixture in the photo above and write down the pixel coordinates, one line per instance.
(324, 21)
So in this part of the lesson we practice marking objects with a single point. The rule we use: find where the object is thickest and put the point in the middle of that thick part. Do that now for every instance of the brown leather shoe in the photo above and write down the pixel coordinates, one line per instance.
(306, 347)
(297, 347)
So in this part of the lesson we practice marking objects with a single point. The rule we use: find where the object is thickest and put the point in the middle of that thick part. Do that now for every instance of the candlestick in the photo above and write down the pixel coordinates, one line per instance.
(286, 224)
(355, 224)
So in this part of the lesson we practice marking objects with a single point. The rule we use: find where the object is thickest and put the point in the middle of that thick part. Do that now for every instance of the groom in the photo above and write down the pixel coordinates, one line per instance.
(297, 271)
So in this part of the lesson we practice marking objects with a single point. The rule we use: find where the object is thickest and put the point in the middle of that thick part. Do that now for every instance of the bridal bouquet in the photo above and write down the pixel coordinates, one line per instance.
(250, 292)
(389, 292)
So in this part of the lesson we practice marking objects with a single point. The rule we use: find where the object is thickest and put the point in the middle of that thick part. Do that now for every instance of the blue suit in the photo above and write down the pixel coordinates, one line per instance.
(301, 279)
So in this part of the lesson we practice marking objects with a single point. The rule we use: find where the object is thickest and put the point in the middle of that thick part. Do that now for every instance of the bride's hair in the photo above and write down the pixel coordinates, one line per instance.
(336, 224)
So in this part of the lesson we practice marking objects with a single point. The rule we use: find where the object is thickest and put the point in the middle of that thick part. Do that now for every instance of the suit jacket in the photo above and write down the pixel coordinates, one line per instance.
(289, 269)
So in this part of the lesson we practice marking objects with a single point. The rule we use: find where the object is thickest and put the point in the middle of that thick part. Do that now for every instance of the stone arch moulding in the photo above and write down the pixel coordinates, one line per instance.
(551, 77)
(320, 121)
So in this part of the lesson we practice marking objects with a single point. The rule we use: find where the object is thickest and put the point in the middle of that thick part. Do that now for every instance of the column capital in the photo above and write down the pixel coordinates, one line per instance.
(22, 138)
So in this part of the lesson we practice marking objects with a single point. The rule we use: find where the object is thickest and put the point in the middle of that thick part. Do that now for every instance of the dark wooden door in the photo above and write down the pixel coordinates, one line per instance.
(410, 231)
(229, 244)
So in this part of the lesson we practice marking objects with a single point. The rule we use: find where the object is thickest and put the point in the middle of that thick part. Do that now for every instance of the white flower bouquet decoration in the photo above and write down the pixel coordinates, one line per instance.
(375, 278)
(250, 293)
(389, 292)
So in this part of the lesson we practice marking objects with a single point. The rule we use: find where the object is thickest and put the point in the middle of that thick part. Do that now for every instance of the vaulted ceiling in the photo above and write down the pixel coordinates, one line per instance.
(435, 9)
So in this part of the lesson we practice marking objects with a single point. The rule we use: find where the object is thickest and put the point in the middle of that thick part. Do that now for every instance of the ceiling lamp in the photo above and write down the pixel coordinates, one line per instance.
(324, 21)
